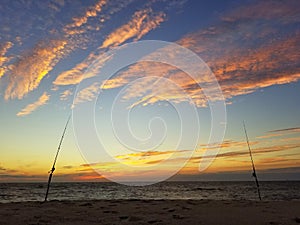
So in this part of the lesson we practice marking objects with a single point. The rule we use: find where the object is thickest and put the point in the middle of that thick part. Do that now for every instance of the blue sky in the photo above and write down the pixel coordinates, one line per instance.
(251, 47)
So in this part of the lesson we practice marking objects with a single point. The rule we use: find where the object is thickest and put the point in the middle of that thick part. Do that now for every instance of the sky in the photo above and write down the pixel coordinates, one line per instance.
(149, 120)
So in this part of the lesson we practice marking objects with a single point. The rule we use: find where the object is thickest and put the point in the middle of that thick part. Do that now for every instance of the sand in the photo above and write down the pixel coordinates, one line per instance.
(150, 212)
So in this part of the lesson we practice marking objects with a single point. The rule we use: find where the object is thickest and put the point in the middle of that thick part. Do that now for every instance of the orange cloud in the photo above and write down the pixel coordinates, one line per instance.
(255, 151)
(154, 157)
(77, 73)
(228, 144)
(30, 69)
(33, 65)
(142, 22)
(242, 54)
(150, 153)
(72, 76)
(64, 95)
(3, 59)
(91, 12)
(33, 106)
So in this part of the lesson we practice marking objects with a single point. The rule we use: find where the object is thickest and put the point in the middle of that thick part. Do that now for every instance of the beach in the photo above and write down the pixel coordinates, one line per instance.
(206, 212)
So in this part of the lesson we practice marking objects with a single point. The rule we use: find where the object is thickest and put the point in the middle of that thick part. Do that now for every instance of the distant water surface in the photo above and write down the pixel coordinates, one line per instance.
(284, 190)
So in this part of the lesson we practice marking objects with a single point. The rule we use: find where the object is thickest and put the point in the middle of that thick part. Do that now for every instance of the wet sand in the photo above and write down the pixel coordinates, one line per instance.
(162, 212)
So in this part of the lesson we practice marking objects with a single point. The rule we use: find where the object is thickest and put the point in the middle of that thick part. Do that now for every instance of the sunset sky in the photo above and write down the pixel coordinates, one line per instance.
(251, 47)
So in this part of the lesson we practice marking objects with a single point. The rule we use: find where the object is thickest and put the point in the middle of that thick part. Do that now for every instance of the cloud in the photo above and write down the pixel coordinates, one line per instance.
(286, 130)
(230, 161)
(68, 167)
(290, 173)
(65, 95)
(228, 144)
(150, 154)
(285, 12)
(79, 72)
(240, 50)
(142, 22)
(91, 12)
(87, 94)
(277, 160)
(80, 176)
(33, 106)
(4, 59)
(150, 82)
(29, 67)
(255, 151)
(280, 132)
(28, 72)
(80, 25)
(289, 139)
(56, 6)
(72, 76)
(153, 157)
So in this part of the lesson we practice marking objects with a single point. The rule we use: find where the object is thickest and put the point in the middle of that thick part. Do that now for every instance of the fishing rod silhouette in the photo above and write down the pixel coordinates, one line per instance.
(253, 167)
(55, 159)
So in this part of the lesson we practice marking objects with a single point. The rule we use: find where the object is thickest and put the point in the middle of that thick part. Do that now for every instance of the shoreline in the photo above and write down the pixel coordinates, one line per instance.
(137, 211)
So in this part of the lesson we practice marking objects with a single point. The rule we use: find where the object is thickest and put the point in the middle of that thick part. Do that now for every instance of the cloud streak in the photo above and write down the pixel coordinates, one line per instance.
(87, 94)
(286, 130)
(280, 132)
(29, 67)
(91, 12)
(34, 106)
(240, 50)
(78, 73)
(141, 23)
(3, 58)
(65, 95)
(28, 72)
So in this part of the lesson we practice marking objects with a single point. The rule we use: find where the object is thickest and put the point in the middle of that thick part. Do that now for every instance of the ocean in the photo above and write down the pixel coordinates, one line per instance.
(270, 190)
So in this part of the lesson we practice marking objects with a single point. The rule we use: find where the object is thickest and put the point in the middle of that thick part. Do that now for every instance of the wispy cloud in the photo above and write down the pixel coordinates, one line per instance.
(33, 106)
(277, 160)
(141, 23)
(240, 50)
(255, 151)
(19, 176)
(3, 58)
(78, 73)
(87, 94)
(65, 95)
(150, 154)
(178, 156)
(91, 12)
(228, 144)
(286, 130)
(280, 132)
(31, 68)
(56, 5)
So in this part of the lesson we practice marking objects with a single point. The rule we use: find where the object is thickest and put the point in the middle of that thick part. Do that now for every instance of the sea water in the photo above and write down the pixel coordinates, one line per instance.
(272, 190)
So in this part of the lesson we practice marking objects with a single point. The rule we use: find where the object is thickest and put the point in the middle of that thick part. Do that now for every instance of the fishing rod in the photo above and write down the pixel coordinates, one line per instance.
(55, 159)
(253, 167)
